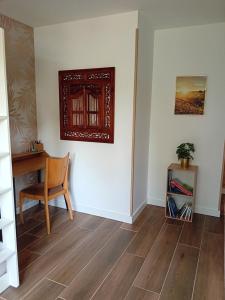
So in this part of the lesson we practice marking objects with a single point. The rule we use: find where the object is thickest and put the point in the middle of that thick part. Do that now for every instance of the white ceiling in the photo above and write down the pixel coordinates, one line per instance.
(163, 13)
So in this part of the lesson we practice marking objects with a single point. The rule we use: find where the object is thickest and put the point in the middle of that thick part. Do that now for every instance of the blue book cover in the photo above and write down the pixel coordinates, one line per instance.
(169, 210)
(173, 206)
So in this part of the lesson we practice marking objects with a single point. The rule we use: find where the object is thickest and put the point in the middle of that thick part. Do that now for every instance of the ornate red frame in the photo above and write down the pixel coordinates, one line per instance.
(102, 79)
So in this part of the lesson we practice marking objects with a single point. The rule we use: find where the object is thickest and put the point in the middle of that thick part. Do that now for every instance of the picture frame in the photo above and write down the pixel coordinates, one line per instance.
(190, 95)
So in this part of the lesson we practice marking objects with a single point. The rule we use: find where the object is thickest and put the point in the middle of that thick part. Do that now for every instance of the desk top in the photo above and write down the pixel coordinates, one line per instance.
(25, 155)
(24, 163)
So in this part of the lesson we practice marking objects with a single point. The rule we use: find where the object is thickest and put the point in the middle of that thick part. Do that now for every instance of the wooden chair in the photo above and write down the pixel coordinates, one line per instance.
(55, 184)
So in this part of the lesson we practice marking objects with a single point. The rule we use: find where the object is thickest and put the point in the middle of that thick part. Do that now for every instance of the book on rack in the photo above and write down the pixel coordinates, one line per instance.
(172, 207)
(178, 187)
(175, 190)
(188, 214)
(185, 185)
(185, 212)
(170, 213)
(169, 180)
(181, 210)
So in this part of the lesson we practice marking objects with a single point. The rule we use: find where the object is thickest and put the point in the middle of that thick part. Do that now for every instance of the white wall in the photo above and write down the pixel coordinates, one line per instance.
(198, 50)
(142, 116)
(100, 173)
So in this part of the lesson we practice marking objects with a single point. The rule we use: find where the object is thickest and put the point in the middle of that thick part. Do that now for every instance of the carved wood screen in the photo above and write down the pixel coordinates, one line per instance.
(87, 105)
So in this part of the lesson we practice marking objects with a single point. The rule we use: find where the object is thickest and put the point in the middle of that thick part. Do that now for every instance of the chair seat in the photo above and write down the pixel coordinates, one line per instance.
(38, 190)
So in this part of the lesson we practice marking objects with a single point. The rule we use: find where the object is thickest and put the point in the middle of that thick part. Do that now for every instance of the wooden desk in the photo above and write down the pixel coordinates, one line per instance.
(24, 163)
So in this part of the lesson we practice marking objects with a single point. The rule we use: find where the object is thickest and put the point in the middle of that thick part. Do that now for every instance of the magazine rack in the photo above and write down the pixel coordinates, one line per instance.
(181, 191)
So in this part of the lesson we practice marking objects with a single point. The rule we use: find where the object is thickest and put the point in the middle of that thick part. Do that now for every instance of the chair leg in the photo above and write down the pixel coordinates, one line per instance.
(21, 199)
(47, 216)
(68, 202)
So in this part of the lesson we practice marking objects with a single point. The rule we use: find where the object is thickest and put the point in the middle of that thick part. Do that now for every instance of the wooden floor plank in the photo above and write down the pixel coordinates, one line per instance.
(119, 281)
(29, 224)
(148, 211)
(192, 232)
(140, 294)
(89, 279)
(40, 230)
(174, 222)
(214, 224)
(57, 220)
(25, 258)
(31, 212)
(39, 212)
(46, 242)
(79, 258)
(92, 222)
(25, 240)
(90, 255)
(46, 289)
(57, 232)
(180, 279)
(43, 265)
(156, 264)
(210, 276)
(35, 217)
(147, 235)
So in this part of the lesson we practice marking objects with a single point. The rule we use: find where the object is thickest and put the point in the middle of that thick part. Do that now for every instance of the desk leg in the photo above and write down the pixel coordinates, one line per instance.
(39, 181)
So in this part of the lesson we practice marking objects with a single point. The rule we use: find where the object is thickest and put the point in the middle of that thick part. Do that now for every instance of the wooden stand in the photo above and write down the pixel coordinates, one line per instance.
(188, 176)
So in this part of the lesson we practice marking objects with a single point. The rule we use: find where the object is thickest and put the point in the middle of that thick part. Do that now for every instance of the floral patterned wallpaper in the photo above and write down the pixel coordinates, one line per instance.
(19, 44)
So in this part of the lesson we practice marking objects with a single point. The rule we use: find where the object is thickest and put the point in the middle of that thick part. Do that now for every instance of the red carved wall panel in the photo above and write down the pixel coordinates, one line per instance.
(87, 105)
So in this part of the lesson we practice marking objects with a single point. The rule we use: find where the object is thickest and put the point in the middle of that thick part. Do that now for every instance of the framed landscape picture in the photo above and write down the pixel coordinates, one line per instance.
(190, 95)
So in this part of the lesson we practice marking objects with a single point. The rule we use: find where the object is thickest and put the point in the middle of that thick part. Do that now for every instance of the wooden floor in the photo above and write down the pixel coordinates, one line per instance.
(97, 258)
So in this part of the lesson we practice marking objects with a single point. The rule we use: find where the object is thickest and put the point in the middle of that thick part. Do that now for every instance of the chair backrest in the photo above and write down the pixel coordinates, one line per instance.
(56, 171)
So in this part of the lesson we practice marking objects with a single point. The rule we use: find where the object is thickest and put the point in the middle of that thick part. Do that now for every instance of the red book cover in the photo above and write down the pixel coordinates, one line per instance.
(174, 183)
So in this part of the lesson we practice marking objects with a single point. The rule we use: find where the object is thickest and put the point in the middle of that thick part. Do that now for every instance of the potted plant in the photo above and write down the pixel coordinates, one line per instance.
(38, 146)
(184, 154)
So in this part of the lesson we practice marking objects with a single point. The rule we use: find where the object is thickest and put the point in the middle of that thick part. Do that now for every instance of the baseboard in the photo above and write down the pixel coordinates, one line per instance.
(198, 209)
(157, 202)
(207, 211)
(2, 268)
(138, 211)
(27, 205)
(96, 211)
(4, 282)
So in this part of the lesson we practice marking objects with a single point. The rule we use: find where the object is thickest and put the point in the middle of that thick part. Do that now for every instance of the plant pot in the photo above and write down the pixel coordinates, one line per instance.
(39, 147)
(184, 163)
